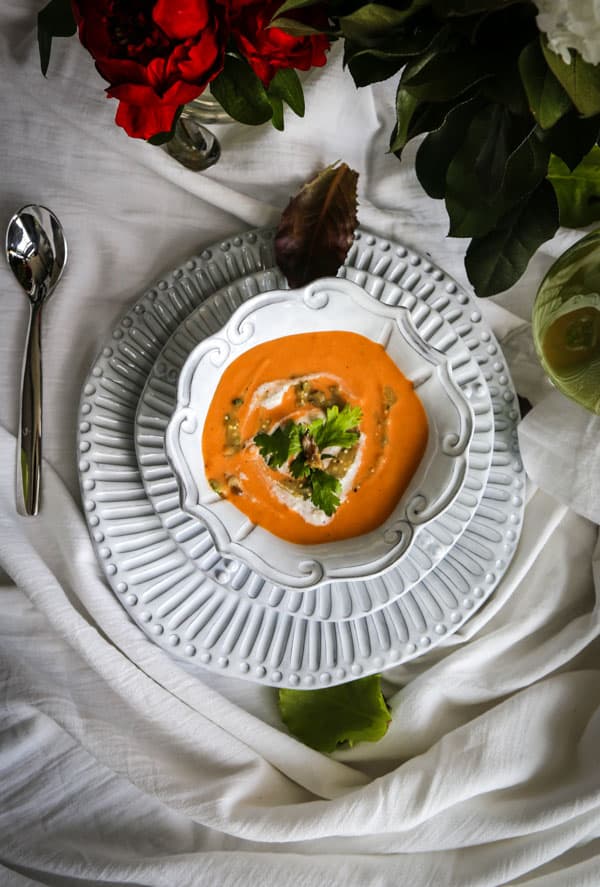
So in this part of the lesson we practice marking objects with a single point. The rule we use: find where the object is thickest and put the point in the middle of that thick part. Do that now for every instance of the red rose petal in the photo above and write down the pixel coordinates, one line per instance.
(145, 121)
(203, 61)
(269, 49)
(136, 94)
(182, 19)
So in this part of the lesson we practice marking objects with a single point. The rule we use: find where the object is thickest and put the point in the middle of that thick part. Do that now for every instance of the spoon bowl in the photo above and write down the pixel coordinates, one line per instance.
(36, 251)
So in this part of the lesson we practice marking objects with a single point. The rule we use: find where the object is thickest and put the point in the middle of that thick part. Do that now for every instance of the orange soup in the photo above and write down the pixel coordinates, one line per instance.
(295, 379)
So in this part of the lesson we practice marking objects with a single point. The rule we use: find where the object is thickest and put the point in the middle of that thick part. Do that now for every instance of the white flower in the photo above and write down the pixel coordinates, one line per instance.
(571, 24)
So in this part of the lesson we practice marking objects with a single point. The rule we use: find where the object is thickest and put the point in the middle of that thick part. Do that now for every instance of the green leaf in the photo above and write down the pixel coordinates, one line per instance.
(277, 118)
(507, 89)
(372, 65)
(324, 491)
(547, 99)
(337, 429)
(494, 141)
(413, 38)
(296, 28)
(45, 48)
(286, 86)
(277, 447)
(439, 147)
(424, 117)
(478, 192)
(448, 74)
(526, 166)
(308, 445)
(572, 137)
(445, 78)
(578, 192)
(295, 4)
(299, 467)
(406, 105)
(240, 92)
(444, 40)
(495, 261)
(161, 138)
(373, 22)
(316, 229)
(327, 718)
(579, 79)
(54, 20)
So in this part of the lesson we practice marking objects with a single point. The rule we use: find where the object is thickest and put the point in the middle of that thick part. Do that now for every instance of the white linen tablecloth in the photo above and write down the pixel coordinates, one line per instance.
(119, 766)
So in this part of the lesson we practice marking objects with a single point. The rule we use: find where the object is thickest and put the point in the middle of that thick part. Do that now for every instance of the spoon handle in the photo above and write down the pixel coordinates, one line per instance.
(30, 421)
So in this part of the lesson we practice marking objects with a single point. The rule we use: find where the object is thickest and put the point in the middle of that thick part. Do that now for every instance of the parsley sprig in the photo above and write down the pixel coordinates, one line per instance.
(306, 446)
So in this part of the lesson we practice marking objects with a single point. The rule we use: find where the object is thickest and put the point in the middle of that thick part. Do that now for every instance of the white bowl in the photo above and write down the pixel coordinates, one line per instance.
(326, 304)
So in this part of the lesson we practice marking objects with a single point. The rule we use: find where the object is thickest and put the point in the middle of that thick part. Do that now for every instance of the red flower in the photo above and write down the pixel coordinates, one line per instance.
(269, 49)
(155, 54)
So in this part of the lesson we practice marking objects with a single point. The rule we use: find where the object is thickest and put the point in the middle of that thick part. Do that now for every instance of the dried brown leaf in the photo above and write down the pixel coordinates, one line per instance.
(316, 228)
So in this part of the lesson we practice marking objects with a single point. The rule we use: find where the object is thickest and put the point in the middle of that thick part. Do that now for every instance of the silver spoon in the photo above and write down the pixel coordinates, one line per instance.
(36, 251)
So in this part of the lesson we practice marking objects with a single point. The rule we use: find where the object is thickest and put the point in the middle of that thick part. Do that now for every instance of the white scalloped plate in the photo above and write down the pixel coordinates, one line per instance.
(325, 305)
(212, 624)
(340, 600)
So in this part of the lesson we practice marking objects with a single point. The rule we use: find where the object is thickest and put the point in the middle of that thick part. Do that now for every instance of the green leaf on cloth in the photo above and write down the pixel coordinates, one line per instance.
(578, 192)
(316, 229)
(327, 718)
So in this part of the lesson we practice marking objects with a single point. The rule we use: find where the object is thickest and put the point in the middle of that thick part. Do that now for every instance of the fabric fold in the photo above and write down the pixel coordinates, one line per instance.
(120, 764)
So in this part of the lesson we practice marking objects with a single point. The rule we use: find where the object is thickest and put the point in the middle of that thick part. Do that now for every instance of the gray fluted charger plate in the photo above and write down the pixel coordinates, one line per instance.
(187, 600)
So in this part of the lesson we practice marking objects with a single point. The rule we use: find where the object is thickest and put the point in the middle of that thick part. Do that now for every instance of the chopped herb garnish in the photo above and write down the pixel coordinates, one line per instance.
(325, 490)
(338, 429)
(306, 447)
(276, 448)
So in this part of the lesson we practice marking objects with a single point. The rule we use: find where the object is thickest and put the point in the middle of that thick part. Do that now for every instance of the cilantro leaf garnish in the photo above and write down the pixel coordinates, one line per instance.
(306, 445)
(324, 491)
(277, 447)
(338, 429)
(299, 467)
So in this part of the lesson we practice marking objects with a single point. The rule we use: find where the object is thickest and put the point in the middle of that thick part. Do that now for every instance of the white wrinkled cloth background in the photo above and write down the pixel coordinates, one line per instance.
(120, 767)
